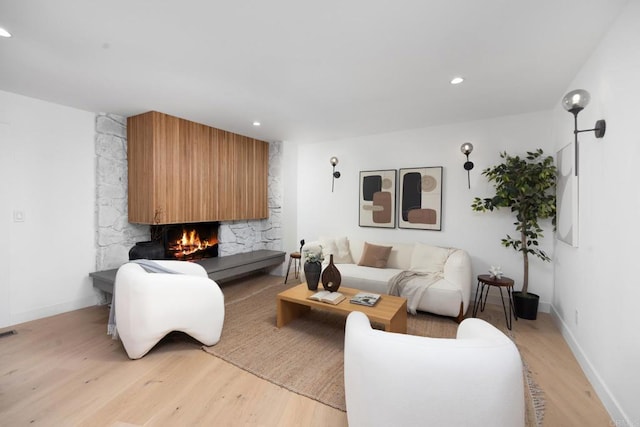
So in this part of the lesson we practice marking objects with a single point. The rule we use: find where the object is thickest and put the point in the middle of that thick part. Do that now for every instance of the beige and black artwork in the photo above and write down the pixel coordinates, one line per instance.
(378, 198)
(420, 198)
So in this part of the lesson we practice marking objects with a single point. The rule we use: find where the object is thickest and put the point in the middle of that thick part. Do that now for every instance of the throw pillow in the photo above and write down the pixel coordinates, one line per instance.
(328, 247)
(339, 247)
(375, 256)
(428, 259)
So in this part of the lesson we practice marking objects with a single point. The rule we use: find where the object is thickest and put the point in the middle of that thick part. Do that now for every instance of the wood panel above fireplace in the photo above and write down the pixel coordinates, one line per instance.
(181, 171)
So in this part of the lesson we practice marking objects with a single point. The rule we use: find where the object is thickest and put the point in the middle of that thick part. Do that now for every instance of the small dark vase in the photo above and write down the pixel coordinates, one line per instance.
(312, 274)
(331, 277)
(153, 249)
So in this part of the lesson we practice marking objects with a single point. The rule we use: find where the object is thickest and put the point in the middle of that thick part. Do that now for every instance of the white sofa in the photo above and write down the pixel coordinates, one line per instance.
(403, 380)
(448, 296)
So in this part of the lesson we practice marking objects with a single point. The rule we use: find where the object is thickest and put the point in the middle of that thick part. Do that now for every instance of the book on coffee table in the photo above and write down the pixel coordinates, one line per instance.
(328, 297)
(365, 298)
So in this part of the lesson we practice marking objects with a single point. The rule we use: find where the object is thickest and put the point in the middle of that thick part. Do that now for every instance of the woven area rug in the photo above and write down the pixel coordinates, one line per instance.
(306, 356)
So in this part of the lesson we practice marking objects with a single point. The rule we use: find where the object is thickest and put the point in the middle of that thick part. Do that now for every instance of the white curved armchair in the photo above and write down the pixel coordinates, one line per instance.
(150, 305)
(405, 380)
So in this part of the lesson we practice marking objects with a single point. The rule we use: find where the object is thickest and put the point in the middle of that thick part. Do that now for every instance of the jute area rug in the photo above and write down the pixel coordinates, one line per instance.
(306, 356)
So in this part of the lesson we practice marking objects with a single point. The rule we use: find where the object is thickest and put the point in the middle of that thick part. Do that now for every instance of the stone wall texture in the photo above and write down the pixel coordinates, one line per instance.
(115, 235)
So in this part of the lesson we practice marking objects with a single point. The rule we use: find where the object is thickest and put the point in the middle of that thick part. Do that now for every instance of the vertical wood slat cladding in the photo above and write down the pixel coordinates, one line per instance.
(166, 169)
(181, 171)
(141, 155)
(225, 175)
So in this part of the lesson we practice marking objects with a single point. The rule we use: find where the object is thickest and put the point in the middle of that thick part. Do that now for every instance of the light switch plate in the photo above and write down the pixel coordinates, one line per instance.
(18, 216)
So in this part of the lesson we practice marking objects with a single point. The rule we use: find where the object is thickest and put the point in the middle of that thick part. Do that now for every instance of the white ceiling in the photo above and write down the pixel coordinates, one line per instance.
(308, 70)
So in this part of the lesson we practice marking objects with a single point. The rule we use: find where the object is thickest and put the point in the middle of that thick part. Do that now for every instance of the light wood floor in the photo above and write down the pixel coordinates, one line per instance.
(64, 370)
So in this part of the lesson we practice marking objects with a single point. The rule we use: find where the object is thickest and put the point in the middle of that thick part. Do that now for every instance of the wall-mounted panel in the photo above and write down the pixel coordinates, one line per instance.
(181, 171)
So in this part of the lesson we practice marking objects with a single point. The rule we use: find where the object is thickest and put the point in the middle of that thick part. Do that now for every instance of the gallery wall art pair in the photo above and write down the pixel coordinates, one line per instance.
(419, 193)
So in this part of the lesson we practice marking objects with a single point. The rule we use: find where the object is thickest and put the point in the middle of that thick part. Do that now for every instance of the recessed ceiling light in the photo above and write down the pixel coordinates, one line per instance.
(456, 80)
(4, 33)
(256, 123)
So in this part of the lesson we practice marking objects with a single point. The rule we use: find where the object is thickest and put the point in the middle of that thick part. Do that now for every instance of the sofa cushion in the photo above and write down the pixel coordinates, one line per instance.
(400, 256)
(367, 279)
(428, 259)
(374, 255)
(338, 247)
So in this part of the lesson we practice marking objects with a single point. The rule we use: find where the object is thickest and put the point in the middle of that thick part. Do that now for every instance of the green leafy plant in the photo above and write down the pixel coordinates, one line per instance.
(527, 186)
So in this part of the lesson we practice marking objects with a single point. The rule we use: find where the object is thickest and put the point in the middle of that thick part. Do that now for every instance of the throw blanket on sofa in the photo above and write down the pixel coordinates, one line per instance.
(402, 284)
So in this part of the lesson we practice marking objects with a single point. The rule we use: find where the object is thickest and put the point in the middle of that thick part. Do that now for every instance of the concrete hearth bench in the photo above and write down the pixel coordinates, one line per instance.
(219, 269)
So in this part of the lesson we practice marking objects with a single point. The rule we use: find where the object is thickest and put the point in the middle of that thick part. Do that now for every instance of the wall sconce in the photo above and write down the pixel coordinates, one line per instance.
(574, 102)
(335, 174)
(466, 149)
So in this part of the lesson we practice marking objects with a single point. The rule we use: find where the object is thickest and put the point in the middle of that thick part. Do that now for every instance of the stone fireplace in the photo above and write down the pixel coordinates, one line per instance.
(188, 241)
(182, 242)
(115, 236)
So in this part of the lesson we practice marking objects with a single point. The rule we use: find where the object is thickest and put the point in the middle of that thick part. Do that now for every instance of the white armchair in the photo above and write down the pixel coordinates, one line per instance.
(405, 380)
(150, 305)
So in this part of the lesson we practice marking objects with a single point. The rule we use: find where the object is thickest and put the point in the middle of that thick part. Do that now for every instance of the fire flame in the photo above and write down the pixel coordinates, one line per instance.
(190, 243)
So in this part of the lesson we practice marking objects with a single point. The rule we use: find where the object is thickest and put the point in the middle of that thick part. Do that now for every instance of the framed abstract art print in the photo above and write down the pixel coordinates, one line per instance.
(420, 198)
(377, 204)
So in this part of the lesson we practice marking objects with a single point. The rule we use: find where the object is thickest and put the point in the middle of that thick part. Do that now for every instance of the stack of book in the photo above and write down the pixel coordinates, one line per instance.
(365, 298)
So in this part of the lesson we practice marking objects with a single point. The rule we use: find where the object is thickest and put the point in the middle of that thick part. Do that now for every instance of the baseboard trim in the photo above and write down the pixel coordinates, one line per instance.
(52, 310)
(618, 416)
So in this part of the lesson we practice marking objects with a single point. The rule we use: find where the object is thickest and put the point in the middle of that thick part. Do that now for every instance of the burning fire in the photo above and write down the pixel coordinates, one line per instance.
(190, 243)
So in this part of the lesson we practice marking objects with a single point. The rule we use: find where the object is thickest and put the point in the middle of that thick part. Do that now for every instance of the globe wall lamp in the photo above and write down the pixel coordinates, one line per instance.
(335, 174)
(574, 102)
(466, 149)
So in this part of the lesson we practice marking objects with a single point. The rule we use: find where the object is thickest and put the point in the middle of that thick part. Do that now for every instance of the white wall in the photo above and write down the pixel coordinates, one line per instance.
(290, 237)
(599, 279)
(48, 153)
(321, 212)
(5, 227)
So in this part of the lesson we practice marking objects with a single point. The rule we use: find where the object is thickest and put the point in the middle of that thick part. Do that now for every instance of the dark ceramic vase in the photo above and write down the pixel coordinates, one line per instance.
(331, 277)
(312, 274)
(153, 249)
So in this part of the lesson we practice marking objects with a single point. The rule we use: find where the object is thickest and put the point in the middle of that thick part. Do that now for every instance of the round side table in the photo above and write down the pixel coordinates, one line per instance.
(485, 281)
(296, 258)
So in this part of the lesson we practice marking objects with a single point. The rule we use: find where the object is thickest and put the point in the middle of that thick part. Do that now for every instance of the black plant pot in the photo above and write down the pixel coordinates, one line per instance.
(312, 274)
(526, 305)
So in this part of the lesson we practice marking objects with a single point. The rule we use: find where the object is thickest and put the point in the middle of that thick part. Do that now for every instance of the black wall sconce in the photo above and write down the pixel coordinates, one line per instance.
(574, 102)
(335, 174)
(466, 149)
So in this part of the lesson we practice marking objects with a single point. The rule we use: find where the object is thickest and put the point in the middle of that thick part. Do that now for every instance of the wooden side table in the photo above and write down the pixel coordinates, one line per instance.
(484, 282)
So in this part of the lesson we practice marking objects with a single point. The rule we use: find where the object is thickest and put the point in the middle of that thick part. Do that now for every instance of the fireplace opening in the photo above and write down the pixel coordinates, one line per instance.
(188, 241)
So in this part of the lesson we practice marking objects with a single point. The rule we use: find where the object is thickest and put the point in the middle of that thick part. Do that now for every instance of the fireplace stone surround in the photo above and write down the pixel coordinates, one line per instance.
(115, 236)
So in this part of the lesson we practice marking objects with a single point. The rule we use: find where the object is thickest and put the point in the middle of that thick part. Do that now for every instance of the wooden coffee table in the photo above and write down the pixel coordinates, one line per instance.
(390, 311)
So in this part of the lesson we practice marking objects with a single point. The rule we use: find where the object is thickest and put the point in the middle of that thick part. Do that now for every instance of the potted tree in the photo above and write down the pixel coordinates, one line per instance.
(527, 187)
